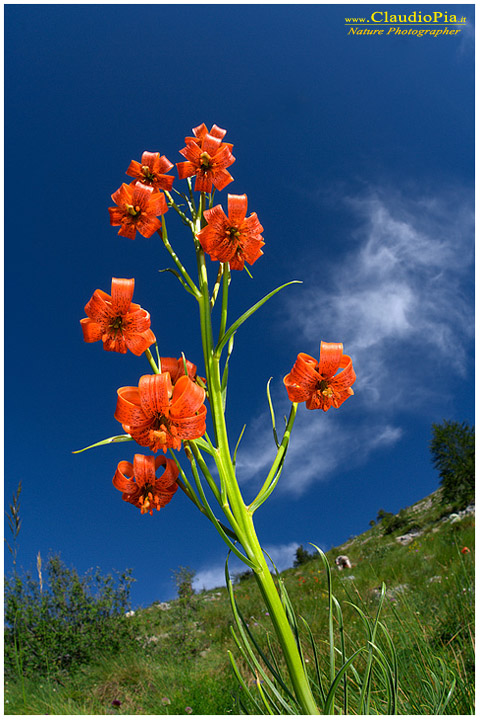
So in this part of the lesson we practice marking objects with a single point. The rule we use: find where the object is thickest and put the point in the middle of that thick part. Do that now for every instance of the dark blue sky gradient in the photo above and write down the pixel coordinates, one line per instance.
(315, 116)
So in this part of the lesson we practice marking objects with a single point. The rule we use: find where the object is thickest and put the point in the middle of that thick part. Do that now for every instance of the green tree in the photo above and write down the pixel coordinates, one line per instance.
(183, 578)
(301, 556)
(453, 452)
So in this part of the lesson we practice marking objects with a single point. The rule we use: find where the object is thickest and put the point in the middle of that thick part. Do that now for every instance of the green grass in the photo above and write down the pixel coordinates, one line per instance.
(178, 658)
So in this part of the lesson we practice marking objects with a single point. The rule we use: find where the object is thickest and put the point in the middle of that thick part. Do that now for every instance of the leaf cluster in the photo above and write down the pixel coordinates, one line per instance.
(64, 620)
(453, 453)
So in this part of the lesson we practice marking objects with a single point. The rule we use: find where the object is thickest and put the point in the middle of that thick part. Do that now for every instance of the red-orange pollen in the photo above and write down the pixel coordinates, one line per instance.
(324, 388)
(160, 430)
(148, 501)
(132, 210)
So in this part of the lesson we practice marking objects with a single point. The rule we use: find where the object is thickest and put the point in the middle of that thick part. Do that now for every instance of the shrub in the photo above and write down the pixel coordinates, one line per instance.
(183, 577)
(63, 620)
(390, 523)
(453, 452)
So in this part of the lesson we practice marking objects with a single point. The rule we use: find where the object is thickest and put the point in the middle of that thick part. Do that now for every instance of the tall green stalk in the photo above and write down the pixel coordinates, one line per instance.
(243, 514)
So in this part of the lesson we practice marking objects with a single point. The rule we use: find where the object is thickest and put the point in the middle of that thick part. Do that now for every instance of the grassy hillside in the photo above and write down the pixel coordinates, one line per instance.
(174, 660)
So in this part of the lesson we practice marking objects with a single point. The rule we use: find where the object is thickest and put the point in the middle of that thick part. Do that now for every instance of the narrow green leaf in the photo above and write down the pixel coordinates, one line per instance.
(327, 709)
(242, 682)
(262, 695)
(330, 610)
(234, 458)
(179, 278)
(200, 443)
(108, 441)
(315, 655)
(233, 328)
(272, 413)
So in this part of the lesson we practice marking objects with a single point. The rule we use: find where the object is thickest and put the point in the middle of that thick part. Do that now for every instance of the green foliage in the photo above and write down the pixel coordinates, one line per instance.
(302, 556)
(180, 652)
(63, 619)
(453, 452)
(183, 577)
(390, 523)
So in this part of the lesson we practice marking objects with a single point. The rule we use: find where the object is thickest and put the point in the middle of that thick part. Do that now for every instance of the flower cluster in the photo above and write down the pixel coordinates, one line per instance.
(232, 238)
(167, 408)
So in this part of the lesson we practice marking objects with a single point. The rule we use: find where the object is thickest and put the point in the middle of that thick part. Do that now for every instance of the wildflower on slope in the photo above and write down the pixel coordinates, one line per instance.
(235, 239)
(158, 414)
(317, 382)
(208, 161)
(151, 171)
(140, 485)
(138, 207)
(116, 321)
(465, 550)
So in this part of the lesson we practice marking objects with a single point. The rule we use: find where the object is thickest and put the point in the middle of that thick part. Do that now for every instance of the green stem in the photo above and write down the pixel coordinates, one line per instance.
(176, 260)
(274, 474)
(173, 204)
(223, 314)
(152, 362)
(244, 527)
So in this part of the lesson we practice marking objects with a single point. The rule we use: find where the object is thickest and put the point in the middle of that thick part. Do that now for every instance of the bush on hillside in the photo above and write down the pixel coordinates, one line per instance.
(453, 452)
(183, 577)
(391, 523)
(63, 620)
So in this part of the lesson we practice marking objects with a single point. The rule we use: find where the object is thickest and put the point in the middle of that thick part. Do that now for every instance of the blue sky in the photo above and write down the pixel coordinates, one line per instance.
(357, 155)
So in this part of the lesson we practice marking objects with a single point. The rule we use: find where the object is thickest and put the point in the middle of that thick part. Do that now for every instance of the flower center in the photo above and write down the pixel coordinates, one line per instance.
(148, 500)
(116, 324)
(233, 232)
(324, 388)
(133, 210)
(205, 161)
(147, 174)
(159, 430)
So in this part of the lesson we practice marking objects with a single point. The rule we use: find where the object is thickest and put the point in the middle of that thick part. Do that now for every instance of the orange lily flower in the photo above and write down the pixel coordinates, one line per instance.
(316, 382)
(235, 239)
(201, 130)
(176, 368)
(151, 171)
(116, 321)
(138, 207)
(158, 414)
(140, 485)
(207, 158)
(465, 550)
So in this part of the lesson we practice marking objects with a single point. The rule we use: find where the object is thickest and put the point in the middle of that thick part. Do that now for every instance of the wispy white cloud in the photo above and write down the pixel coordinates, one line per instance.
(401, 302)
(214, 576)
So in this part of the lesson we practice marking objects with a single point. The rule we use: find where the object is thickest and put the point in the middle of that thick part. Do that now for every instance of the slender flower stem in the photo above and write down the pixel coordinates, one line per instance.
(223, 317)
(244, 527)
(152, 362)
(173, 204)
(176, 260)
(216, 286)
